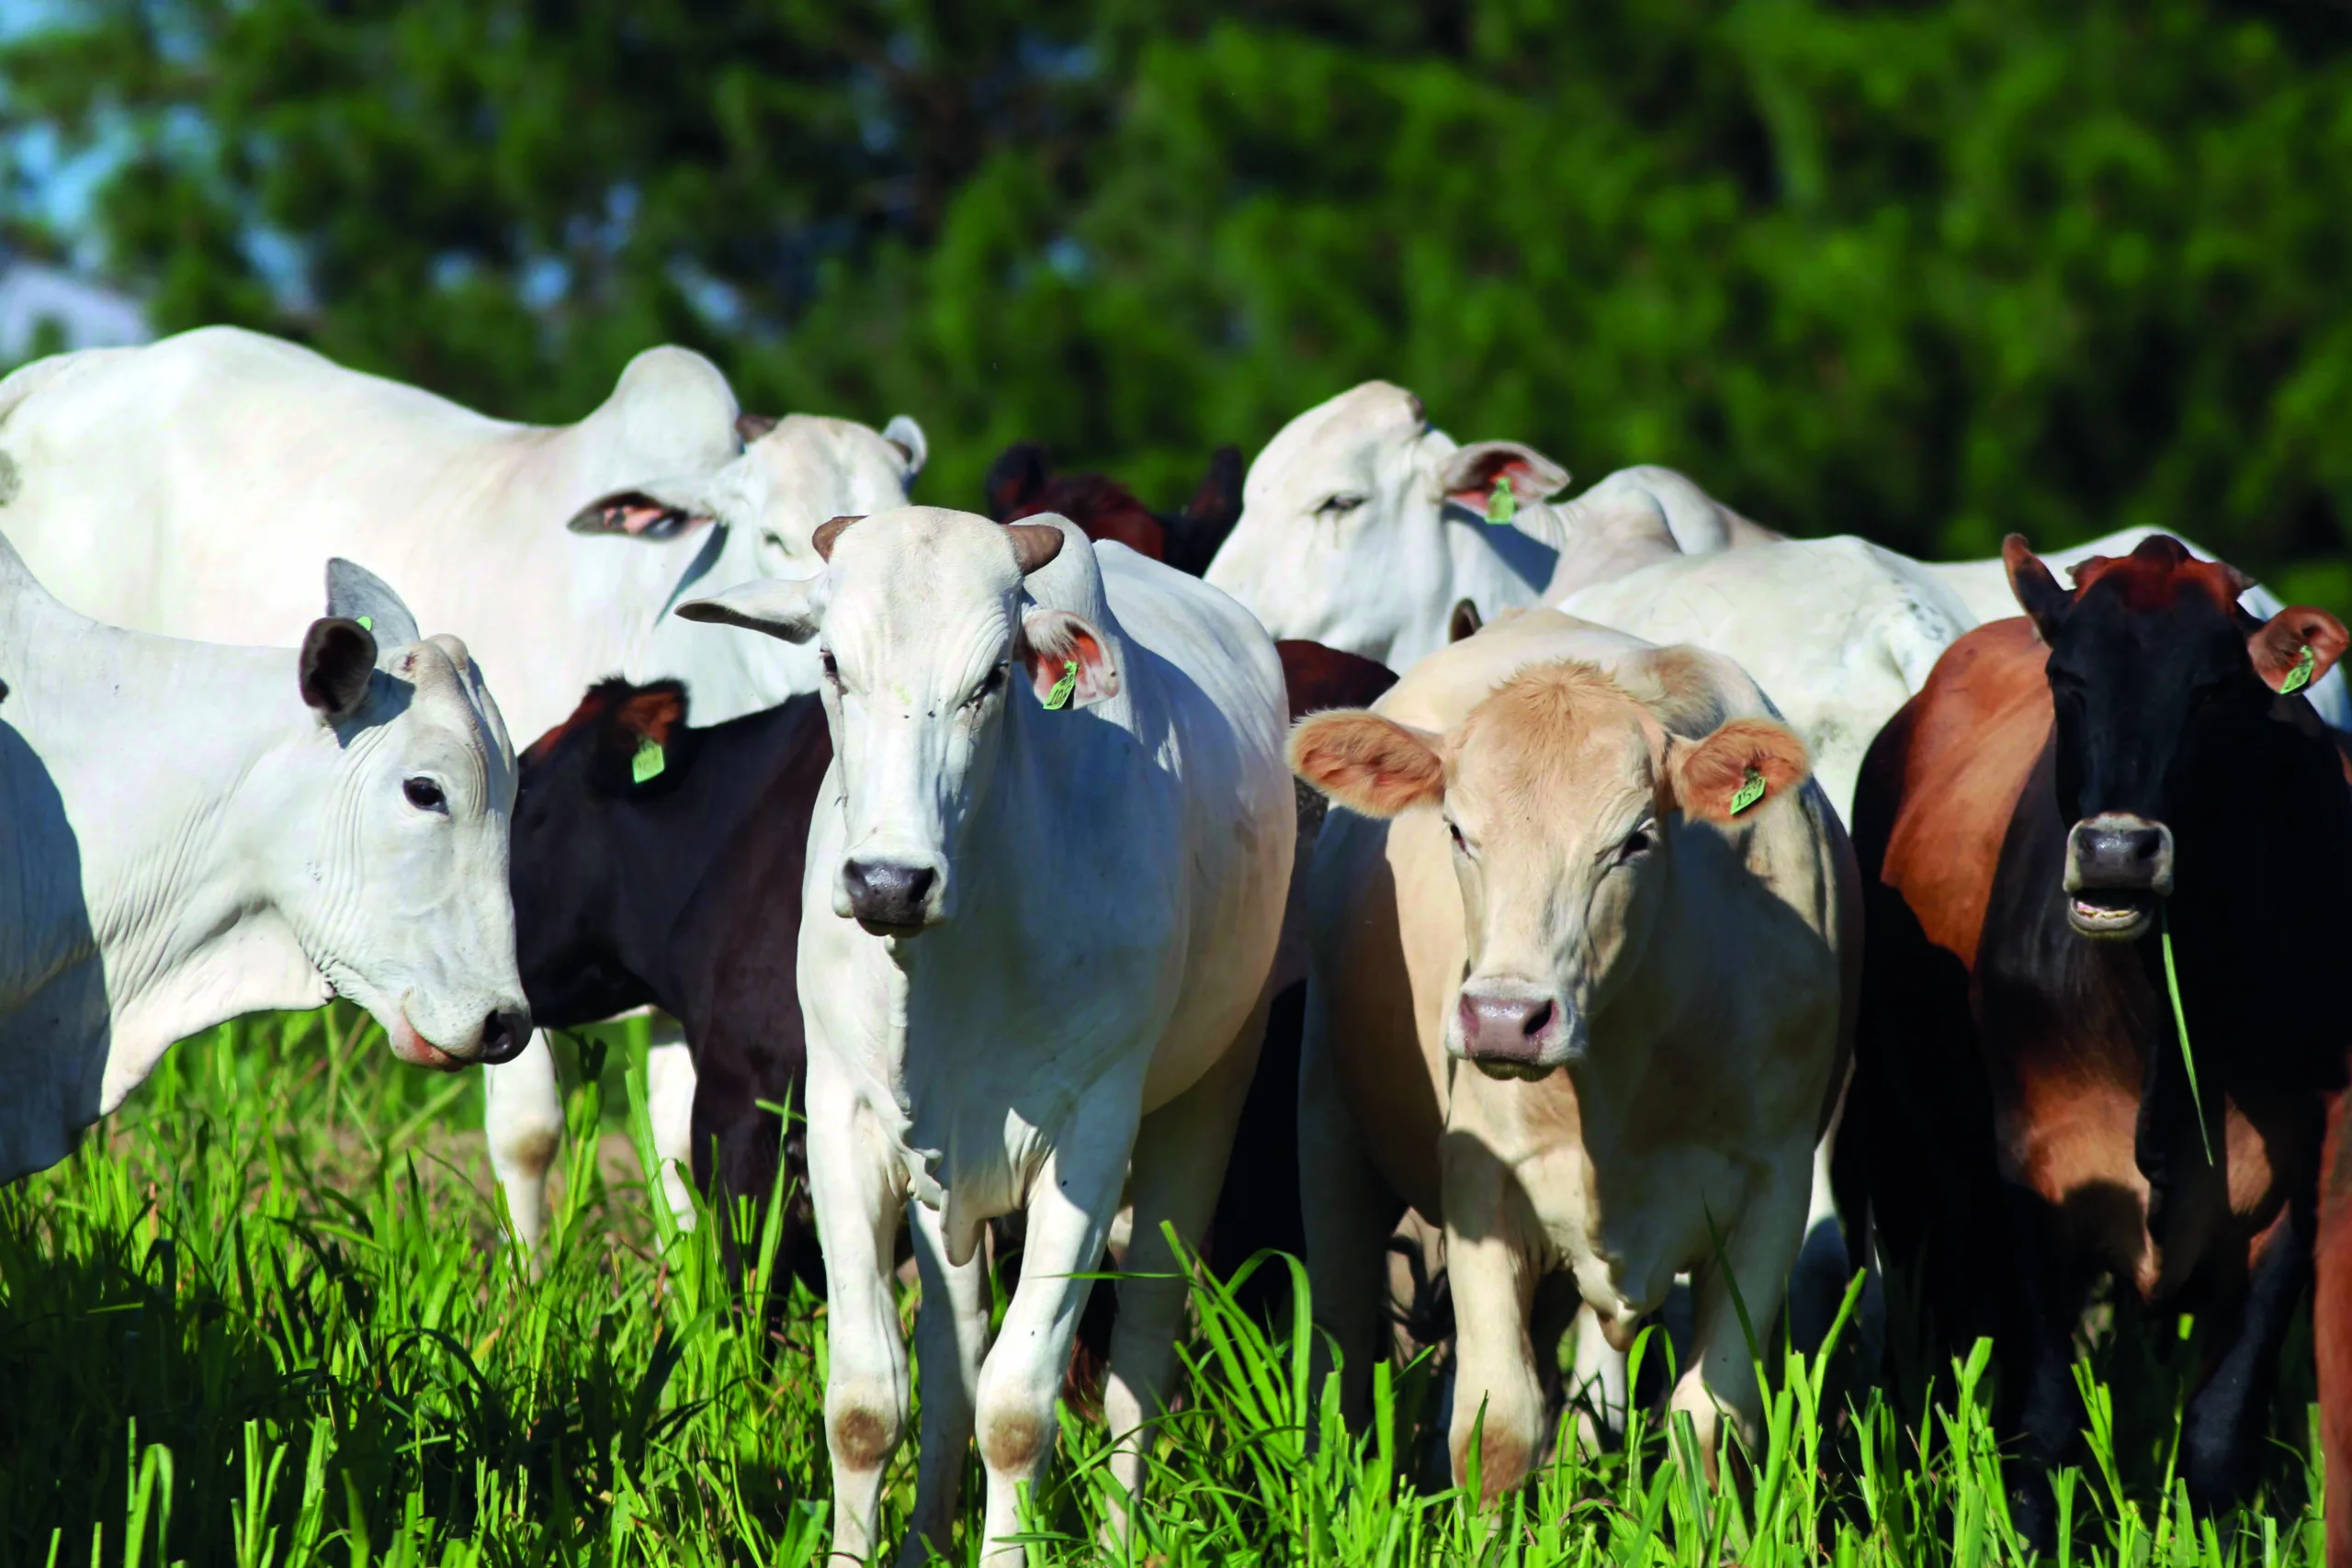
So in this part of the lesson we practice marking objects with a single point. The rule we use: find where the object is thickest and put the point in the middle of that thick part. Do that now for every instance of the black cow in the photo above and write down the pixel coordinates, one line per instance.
(2068, 787)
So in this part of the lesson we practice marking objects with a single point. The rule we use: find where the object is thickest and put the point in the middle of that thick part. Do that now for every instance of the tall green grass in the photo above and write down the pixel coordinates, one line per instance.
(265, 1317)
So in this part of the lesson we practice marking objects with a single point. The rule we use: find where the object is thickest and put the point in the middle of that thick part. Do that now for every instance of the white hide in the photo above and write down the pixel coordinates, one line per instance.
(189, 841)
(1839, 632)
(1112, 880)
(193, 486)
(1984, 587)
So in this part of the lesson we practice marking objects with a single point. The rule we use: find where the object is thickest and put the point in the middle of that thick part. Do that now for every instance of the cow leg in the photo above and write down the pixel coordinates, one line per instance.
(522, 1123)
(1349, 1212)
(950, 1335)
(1071, 1201)
(1493, 1257)
(1178, 1166)
(670, 1106)
(1754, 1261)
(1598, 1383)
(2036, 1346)
(859, 1196)
(2220, 1446)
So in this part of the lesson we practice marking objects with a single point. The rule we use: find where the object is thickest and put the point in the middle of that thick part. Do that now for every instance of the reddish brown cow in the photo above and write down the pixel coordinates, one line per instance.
(2067, 788)
(1021, 483)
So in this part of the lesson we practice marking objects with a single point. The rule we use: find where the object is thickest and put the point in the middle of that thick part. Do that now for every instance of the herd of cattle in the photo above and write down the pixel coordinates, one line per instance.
(998, 843)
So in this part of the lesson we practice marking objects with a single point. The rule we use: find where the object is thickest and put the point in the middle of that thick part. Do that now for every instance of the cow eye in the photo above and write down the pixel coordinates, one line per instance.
(1461, 843)
(990, 685)
(1338, 505)
(1637, 843)
(832, 671)
(425, 795)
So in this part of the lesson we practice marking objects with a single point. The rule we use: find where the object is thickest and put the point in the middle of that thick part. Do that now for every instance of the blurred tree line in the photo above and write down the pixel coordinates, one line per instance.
(1924, 271)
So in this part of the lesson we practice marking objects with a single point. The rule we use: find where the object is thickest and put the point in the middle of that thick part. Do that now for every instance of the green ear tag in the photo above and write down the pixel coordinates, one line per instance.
(2300, 675)
(1502, 505)
(1750, 791)
(366, 623)
(648, 762)
(1060, 697)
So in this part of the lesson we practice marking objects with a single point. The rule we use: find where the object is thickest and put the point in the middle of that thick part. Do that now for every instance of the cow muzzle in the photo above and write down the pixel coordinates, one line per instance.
(500, 1039)
(1508, 1029)
(2118, 865)
(892, 898)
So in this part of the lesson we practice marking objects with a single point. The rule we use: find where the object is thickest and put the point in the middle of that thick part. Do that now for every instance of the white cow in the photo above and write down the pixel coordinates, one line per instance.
(190, 487)
(1043, 888)
(1362, 528)
(197, 833)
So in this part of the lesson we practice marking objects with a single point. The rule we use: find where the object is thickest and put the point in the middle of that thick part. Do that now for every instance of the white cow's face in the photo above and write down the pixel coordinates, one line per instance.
(919, 624)
(1560, 793)
(387, 851)
(1343, 538)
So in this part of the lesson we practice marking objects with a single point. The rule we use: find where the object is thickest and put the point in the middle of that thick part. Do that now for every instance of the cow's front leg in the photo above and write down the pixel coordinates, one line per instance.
(950, 1335)
(2221, 1446)
(1068, 1219)
(858, 1191)
(670, 1107)
(1179, 1167)
(1492, 1259)
(1755, 1250)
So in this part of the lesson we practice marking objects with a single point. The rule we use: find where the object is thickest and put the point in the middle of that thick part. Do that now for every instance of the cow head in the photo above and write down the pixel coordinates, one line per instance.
(391, 870)
(1567, 802)
(623, 745)
(1361, 527)
(928, 640)
(2159, 691)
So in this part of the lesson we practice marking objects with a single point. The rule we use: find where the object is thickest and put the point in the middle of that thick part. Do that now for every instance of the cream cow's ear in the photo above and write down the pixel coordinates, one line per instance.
(1374, 766)
(1738, 768)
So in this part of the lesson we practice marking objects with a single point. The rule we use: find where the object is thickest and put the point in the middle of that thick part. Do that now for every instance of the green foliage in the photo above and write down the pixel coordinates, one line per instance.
(1928, 273)
(265, 1317)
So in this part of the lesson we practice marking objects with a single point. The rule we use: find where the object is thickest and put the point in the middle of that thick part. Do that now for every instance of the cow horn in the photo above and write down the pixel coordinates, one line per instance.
(1034, 544)
(828, 533)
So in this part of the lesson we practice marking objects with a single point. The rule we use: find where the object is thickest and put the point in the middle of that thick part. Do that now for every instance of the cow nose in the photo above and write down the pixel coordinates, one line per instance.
(1507, 1026)
(2121, 852)
(887, 893)
(504, 1035)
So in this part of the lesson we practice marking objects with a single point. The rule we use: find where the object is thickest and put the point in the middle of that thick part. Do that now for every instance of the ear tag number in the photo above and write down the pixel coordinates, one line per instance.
(2300, 675)
(1060, 697)
(1501, 504)
(368, 624)
(649, 761)
(1750, 791)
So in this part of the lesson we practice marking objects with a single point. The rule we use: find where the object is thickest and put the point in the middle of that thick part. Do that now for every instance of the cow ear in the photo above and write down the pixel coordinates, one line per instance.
(355, 594)
(1374, 766)
(1472, 473)
(914, 451)
(790, 610)
(666, 510)
(1743, 765)
(2277, 645)
(1058, 646)
(1217, 503)
(2044, 602)
(750, 427)
(337, 661)
(639, 732)
(1465, 622)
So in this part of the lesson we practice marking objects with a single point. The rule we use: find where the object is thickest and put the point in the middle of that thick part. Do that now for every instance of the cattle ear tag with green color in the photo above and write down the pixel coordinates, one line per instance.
(1750, 791)
(1060, 697)
(2300, 675)
(649, 761)
(1501, 504)
(366, 623)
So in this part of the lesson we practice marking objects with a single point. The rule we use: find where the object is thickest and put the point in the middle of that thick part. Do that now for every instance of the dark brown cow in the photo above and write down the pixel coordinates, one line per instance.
(1021, 483)
(2066, 787)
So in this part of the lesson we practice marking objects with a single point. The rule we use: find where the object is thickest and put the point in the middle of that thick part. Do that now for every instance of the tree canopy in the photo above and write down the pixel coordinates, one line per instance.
(1929, 272)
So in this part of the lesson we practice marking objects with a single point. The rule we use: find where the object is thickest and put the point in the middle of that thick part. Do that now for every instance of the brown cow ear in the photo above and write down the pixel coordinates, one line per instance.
(1374, 766)
(2039, 595)
(2277, 645)
(1743, 765)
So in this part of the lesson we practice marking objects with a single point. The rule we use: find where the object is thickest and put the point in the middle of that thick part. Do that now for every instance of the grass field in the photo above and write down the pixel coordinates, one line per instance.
(264, 1317)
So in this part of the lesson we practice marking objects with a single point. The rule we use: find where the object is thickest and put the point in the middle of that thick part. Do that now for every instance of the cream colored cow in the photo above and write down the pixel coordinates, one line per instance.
(1575, 995)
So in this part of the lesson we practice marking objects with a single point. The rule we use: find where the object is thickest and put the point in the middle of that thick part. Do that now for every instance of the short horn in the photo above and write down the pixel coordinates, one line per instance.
(828, 533)
(1034, 544)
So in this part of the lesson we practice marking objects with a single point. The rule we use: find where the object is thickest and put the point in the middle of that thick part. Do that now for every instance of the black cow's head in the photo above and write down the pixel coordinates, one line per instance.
(623, 743)
(2162, 690)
